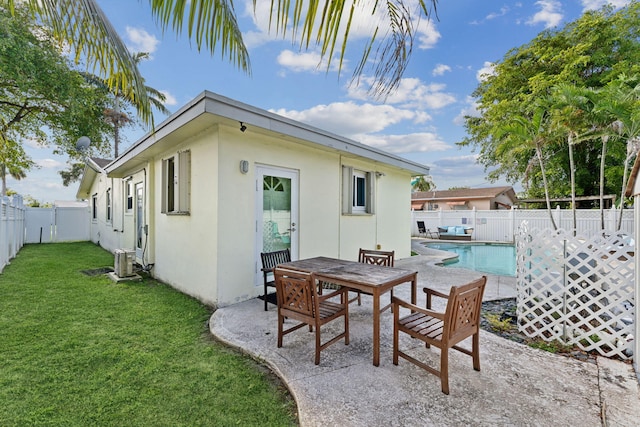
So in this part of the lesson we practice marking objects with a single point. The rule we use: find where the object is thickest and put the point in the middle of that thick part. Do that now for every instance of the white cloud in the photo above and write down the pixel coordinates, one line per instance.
(49, 164)
(141, 41)
(486, 70)
(440, 69)
(349, 119)
(411, 93)
(32, 143)
(365, 122)
(503, 11)
(428, 35)
(470, 110)
(363, 24)
(597, 4)
(169, 99)
(305, 61)
(458, 171)
(409, 143)
(550, 14)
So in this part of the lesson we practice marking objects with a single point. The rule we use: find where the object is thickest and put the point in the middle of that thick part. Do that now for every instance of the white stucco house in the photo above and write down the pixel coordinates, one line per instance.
(220, 181)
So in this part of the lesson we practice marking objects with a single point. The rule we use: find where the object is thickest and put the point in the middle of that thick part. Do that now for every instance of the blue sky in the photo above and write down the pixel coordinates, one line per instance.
(421, 121)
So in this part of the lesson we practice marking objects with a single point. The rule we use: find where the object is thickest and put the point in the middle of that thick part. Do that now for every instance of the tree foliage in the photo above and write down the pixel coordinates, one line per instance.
(213, 25)
(588, 54)
(42, 98)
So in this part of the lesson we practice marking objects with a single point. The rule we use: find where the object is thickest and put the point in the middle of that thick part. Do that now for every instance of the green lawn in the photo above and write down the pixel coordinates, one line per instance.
(79, 351)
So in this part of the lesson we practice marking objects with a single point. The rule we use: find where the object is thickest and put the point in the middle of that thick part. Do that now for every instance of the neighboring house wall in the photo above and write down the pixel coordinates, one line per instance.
(490, 198)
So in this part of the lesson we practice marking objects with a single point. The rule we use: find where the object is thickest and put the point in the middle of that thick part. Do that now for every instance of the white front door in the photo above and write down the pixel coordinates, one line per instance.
(276, 213)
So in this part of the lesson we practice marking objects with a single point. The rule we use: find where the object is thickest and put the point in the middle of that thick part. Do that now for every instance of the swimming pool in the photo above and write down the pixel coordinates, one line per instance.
(489, 258)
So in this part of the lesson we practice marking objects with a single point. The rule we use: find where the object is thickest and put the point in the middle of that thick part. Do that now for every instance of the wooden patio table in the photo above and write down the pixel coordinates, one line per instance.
(372, 279)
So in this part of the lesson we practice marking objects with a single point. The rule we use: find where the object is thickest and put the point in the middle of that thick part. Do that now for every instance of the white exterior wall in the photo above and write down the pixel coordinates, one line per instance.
(103, 232)
(211, 253)
(185, 246)
(120, 232)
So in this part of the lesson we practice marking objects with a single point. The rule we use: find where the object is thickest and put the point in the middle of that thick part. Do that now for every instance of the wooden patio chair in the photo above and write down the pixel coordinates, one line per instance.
(298, 299)
(269, 262)
(367, 256)
(443, 330)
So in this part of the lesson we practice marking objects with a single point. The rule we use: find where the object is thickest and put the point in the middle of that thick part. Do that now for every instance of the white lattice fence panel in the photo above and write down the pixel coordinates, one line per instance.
(576, 289)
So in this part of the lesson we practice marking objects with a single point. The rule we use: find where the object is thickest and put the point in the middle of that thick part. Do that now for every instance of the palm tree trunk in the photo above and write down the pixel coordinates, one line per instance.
(3, 171)
(603, 155)
(572, 172)
(624, 184)
(546, 185)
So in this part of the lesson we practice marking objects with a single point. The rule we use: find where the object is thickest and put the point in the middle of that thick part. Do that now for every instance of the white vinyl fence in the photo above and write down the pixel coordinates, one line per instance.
(502, 225)
(578, 290)
(12, 218)
(58, 224)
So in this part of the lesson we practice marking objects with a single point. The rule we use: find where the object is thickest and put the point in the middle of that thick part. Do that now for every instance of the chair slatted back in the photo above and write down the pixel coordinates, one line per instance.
(296, 293)
(271, 259)
(462, 316)
(385, 258)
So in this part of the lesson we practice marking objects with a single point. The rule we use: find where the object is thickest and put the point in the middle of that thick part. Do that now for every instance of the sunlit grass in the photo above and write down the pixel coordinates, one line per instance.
(78, 350)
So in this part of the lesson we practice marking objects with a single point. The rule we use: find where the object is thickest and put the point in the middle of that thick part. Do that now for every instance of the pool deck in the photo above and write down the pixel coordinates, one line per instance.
(517, 386)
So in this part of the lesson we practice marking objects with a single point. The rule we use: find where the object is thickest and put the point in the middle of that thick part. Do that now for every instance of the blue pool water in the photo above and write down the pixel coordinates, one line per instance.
(484, 257)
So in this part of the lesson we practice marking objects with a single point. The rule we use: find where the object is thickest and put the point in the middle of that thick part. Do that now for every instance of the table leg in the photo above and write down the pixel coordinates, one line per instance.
(376, 329)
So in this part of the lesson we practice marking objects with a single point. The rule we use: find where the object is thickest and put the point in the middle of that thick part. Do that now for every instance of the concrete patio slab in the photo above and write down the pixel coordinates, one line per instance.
(517, 385)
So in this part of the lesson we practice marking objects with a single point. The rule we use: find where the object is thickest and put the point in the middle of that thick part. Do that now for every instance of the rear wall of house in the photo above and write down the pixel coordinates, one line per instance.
(212, 253)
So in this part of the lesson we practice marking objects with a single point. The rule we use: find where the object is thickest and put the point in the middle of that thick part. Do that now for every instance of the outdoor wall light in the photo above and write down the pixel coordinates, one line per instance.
(379, 174)
(242, 127)
(244, 166)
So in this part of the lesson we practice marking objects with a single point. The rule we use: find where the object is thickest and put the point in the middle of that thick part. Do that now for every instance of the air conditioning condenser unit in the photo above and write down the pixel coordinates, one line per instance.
(124, 260)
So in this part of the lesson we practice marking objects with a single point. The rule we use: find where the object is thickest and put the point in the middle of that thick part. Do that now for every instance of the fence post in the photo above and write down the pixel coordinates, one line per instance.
(512, 223)
(474, 222)
(611, 218)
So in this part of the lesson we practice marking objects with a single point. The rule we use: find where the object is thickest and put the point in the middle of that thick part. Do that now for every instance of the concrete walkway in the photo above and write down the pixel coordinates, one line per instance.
(517, 385)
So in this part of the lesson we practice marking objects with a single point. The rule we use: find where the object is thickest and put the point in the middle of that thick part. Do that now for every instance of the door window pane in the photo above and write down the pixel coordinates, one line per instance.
(276, 213)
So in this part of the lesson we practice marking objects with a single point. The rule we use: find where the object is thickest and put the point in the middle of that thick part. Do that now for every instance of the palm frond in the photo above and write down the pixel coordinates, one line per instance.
(84, 27)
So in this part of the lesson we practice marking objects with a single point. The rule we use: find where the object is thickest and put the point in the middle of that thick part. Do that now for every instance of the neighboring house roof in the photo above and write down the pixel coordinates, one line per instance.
(100, 162)
(93, 166)
(209, 108)
(463, 194)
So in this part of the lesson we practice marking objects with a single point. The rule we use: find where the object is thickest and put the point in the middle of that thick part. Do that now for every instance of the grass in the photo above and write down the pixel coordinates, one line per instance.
(78, 350)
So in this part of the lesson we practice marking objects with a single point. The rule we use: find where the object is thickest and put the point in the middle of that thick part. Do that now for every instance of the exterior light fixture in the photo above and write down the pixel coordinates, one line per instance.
(244, 166)
(242, 127)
